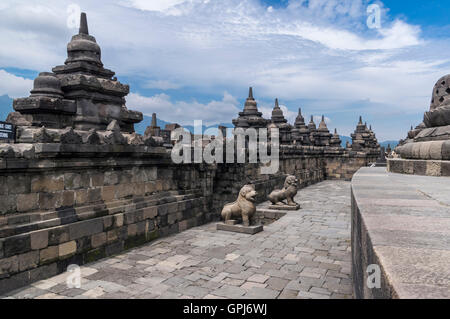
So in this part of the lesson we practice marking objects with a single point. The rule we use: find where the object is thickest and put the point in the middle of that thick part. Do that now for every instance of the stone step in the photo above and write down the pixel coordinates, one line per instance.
(40, 220)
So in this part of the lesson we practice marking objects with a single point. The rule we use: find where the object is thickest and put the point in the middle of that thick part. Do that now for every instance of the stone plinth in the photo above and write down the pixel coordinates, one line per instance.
(284, 207)
(402, 224)
(419, 167)
(268, 216)
(238, 228)
(430, 140)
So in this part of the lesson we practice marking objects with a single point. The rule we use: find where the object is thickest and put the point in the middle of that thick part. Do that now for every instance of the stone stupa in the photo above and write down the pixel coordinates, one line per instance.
(323, 135)
(426, 151)
(300, 132)
(250, 115)
(280, 121)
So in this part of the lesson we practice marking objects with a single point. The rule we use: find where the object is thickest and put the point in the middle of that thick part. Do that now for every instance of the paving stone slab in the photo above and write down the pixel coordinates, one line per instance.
(203, 262)
(251, 230)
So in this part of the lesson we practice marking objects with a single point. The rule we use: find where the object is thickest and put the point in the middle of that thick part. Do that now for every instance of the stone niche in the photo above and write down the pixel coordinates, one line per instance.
(426, 150)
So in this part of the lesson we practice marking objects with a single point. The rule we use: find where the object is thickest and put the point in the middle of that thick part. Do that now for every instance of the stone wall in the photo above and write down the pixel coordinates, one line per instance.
(75, 211)
(419, 167)
(344, 167)
(60, 208)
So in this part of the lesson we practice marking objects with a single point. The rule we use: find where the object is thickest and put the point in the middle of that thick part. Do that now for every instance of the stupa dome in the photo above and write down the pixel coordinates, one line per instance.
(441, 93)
(83, 47)
(323, 126)
(47, 84)
(250, 103)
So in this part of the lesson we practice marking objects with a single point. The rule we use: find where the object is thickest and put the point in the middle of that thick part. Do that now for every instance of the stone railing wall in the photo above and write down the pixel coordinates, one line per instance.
(66, 205)
(345, 166)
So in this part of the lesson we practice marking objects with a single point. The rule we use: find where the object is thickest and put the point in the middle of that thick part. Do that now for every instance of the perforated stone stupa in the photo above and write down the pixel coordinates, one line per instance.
(426, 151)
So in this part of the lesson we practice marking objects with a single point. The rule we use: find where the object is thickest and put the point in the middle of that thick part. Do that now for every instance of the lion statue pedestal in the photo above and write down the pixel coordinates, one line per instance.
(243, 208)
(283, 199)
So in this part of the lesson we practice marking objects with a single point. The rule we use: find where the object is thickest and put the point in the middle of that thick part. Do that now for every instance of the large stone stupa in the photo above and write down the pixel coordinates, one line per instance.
(426, 151)
(81, 94)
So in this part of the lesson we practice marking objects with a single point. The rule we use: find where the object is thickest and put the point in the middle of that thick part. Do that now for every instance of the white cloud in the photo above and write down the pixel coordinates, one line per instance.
(183, 112)
(162, 85)
(320, 51)
(399, 35)
(14, 86)
(288, 114)
(166, 6)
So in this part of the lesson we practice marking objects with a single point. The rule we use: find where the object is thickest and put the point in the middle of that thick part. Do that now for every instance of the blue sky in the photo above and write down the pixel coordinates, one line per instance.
(194, 59)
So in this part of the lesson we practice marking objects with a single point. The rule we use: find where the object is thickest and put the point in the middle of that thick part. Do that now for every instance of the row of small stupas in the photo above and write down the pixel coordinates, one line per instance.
(363, 139)
(81, 102)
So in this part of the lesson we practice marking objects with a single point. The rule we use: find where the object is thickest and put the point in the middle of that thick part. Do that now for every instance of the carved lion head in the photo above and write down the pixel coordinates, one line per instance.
(248, 192)
(291, 181)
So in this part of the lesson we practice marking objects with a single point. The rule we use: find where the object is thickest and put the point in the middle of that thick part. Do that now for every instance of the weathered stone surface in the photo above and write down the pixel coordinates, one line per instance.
(16, 245)
(400, 235)
(66, 249)
(39, 239)
(85, 228)
(289, 191)
(230, 265)
(251, 230)
(28, 260)
(47, 183)
(284, 207)
(18, 184)
(27, 202)
(49, 254)
(243, 208)
(69, 136)
(9, 266)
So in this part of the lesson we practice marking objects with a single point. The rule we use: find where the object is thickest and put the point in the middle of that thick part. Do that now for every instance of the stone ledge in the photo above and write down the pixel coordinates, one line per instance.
(284, 207)
(419, 167)
(250, 230)
(402, 224)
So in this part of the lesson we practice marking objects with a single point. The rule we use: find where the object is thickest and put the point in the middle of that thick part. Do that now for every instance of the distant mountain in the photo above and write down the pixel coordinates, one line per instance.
(5, 106)
(147, 121)
(393, 144)
(384, 144)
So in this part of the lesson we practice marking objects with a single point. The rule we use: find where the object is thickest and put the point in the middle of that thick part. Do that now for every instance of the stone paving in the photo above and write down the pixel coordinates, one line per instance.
(305, 254)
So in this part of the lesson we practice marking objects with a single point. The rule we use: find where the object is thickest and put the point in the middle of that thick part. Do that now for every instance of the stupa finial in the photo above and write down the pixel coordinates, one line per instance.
(250, 93)
(154, 120)
(277, 106)
(83, 24)
(360, 120)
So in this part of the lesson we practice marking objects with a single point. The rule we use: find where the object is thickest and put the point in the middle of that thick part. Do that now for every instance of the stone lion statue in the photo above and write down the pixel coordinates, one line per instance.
(287, 193)
(244, 206)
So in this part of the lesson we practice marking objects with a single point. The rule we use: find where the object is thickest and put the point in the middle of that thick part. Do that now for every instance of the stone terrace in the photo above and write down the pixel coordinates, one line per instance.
(305, 254)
